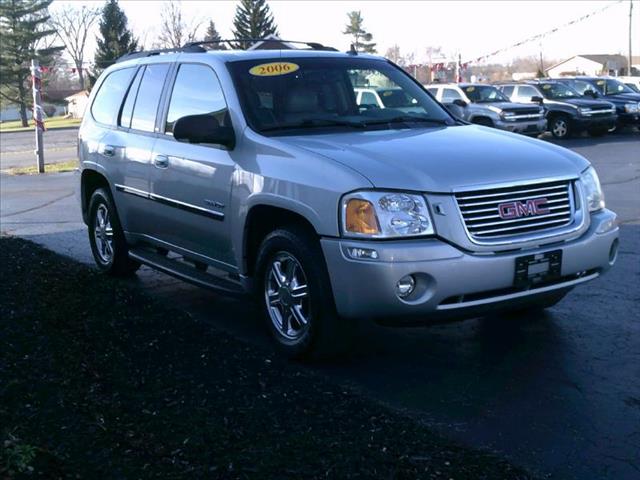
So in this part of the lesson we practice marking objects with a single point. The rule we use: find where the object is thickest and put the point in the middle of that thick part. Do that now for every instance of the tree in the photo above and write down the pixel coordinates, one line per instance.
(393, 54)
(22, 29)
(212, 35)
(175, 30)
(253, 19)
(361, 38)
(114, 39)
(72, 26)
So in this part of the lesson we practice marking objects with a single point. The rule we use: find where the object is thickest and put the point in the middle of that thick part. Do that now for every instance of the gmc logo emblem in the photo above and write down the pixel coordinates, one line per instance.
(517, 209)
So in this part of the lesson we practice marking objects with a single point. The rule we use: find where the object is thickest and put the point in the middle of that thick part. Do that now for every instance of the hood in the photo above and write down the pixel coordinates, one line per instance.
(582, 102)
(622, 98)
(508, 105)
(443, 159)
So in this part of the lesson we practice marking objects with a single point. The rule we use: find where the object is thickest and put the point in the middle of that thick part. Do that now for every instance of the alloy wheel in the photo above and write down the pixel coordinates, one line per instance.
(103, 234)
(286, 294)
(560, 127)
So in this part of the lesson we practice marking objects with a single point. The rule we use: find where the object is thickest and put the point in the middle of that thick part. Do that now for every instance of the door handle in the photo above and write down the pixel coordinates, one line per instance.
(108, 150)
(161, 161)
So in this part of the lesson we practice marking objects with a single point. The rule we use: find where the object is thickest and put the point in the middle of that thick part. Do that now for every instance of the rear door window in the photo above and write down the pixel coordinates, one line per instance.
(146, 104)
(127, 108)
(508, 90)
(107, 103)
(450, 94)
(196, 91)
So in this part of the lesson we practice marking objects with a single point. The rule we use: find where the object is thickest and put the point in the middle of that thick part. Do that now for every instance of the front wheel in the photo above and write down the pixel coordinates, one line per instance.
(295, 293)
(108, 244)
(560, 127)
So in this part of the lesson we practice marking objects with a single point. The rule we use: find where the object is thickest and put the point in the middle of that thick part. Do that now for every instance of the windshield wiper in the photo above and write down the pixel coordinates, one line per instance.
(313, 123)
(406, 119)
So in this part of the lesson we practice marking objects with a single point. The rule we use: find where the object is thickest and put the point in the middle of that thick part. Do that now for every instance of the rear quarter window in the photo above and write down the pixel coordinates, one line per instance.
(107, 103)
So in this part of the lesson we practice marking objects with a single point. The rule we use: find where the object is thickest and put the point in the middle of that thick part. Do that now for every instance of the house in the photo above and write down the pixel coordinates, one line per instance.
(593, 65)
(77, 103)
(272, 42)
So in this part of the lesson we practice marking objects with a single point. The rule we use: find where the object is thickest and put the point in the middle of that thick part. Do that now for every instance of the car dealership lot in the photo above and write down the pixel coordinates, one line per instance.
(558, 392)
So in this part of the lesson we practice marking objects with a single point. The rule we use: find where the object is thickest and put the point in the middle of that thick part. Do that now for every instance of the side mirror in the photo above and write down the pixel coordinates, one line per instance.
(460, 103)
(591, 93)
(203, 129)
(536, 99)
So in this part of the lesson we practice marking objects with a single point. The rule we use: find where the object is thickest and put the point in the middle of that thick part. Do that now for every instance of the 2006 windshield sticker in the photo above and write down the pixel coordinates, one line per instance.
(273, 69)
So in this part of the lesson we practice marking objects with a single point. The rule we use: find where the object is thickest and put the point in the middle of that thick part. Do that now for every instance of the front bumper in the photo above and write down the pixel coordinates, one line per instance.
(587, 123)
(446, 275)
(628, 118)
(534, 127)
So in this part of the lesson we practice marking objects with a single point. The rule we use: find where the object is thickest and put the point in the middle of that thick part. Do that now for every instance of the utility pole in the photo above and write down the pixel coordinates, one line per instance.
(36, 77)
(630, 57)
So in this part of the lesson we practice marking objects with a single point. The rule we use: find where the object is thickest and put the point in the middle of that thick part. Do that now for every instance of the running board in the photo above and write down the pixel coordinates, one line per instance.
(186, 272)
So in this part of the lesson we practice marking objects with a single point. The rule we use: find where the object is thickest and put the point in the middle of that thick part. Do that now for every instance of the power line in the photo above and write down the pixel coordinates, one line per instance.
(548, 32)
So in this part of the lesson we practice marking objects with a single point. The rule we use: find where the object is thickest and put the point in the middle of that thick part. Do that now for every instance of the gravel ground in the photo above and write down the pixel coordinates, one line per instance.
(101, 381)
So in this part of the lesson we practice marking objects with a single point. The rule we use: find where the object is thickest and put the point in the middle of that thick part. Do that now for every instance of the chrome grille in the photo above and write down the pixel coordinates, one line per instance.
(480, 209)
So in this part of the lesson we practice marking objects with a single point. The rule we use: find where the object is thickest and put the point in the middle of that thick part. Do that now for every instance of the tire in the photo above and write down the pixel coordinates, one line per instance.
(303, 322)
(108, 244)
(560, 127)
(486, 122)
(598, 132)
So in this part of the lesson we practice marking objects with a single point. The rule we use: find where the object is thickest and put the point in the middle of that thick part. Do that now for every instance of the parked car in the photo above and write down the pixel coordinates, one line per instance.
(486, 105)
(381, 97)
(627, 101)
(258, 172)
(632, 82)
(567, 111)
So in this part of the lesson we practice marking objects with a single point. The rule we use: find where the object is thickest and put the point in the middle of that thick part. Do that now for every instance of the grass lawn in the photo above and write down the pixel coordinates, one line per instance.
(68, 166)
(100, 380)
(50, 123)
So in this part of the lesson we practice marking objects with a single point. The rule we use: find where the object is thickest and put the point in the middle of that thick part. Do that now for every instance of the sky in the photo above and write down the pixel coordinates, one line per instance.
(473, 28)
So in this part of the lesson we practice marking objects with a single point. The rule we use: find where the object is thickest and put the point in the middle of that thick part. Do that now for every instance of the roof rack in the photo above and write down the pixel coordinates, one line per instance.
(233, 42)
(198, 47)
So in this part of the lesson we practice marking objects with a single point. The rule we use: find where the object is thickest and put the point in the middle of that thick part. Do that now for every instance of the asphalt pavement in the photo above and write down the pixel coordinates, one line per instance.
(558, 393)
(17, 148)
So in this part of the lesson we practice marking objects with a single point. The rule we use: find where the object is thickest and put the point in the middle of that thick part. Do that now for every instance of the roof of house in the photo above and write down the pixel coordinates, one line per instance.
(81, 93)
(603, 59)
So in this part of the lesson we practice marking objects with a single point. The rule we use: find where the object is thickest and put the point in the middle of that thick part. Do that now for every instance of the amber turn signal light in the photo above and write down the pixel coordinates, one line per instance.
(360, 217)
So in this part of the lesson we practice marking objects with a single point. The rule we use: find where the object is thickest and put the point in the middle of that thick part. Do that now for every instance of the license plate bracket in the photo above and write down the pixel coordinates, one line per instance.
(538, 268)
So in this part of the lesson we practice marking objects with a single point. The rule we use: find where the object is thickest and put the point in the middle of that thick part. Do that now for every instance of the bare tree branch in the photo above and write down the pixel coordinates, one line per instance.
(175, 30)
(73, 25)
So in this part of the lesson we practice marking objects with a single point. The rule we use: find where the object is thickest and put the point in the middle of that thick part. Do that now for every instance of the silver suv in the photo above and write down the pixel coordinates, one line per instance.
(486, 105)
(258, 172)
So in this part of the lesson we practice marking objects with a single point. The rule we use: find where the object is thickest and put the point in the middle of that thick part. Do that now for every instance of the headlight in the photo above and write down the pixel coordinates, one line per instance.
(584, 111)
(592, 189)
(507, 115)
(374, 214)
(631, 107)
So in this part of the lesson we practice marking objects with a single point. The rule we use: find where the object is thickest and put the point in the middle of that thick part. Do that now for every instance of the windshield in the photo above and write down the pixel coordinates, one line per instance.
(556, 91)
(484, 94)
(609, 86)
(282, 96)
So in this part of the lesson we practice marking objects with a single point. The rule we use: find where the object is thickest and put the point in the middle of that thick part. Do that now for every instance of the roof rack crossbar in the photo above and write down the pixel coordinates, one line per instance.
(158, 51)
(233, 42)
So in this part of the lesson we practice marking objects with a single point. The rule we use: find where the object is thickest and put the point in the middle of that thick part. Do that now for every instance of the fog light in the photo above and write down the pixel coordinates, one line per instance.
(405, 286)
(613, 252)
(362, 253)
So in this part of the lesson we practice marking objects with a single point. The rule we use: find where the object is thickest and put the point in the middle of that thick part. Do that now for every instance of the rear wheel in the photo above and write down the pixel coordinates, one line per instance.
(294, 290)
(560, 127)
(106, 237)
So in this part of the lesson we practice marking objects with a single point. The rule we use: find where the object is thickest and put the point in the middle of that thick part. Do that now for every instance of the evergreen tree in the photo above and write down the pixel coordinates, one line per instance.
(114, 39)
(253, 20)
(22, 27)
(212, 35)
(361, 38)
